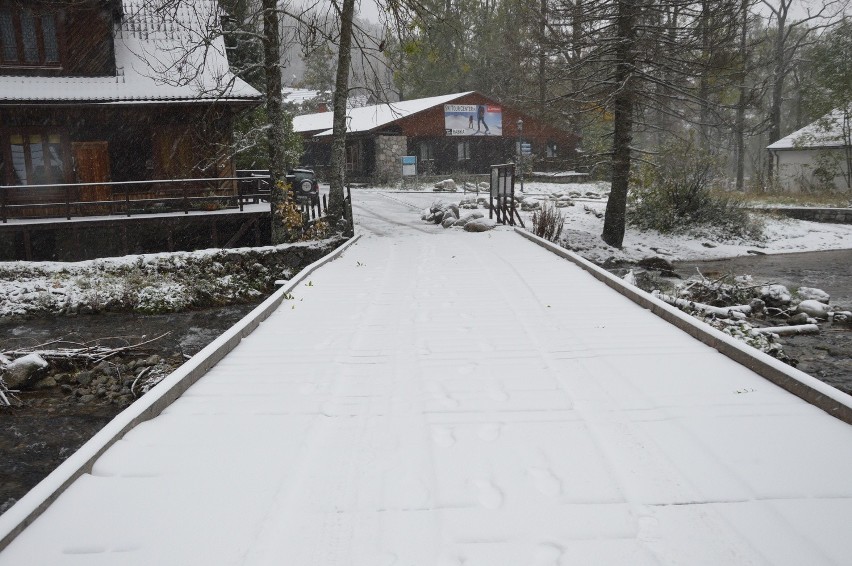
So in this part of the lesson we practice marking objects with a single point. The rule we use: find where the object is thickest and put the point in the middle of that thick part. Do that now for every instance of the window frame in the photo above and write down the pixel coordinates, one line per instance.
(427, 148)
(9, 178)
(16, 13)
(463, 151)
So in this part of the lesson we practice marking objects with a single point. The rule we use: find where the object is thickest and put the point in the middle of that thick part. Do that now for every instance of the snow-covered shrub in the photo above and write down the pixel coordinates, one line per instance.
(675, 195)
(548, 222)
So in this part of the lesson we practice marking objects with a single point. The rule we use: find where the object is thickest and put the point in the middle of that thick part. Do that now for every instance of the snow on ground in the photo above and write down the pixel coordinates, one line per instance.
(436, 397)
(583, 228)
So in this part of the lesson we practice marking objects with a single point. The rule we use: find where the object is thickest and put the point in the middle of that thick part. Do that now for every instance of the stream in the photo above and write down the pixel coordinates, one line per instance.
(828, 355)
(37, 437)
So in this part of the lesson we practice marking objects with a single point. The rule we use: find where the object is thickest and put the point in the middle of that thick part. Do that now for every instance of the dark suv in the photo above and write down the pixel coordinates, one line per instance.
(304, 185)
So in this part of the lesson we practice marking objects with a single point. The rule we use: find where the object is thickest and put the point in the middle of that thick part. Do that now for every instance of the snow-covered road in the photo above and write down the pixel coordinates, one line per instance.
(441, 398)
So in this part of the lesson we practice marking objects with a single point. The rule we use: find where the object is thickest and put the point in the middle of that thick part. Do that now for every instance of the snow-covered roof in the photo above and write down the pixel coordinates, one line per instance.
(825, 132)
(369, 118)
(173, 55)
(299, 95)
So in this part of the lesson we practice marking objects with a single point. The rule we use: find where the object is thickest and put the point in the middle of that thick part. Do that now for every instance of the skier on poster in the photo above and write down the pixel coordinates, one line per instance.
(480, 117)
(470, 122)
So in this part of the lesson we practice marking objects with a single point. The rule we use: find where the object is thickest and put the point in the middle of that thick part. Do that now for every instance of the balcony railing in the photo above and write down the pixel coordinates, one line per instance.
(72, 200)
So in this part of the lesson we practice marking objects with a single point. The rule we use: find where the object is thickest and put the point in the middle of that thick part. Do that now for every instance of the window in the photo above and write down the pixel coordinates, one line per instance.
(551, 149)
(463, 150)
(28, 38)
(353, 157)
(427, 152)
(36, 158)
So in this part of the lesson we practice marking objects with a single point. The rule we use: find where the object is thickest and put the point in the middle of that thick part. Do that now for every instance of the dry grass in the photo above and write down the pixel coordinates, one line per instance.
(826, 200)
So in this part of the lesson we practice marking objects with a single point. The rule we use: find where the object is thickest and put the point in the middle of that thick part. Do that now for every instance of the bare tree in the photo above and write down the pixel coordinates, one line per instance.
(789, 38)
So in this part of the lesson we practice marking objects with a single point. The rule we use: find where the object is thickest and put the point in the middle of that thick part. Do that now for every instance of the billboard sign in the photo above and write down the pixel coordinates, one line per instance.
(473, 120)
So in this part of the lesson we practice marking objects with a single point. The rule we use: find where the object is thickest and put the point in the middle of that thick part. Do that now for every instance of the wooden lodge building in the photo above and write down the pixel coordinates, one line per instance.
(455, 133)
(110, 90)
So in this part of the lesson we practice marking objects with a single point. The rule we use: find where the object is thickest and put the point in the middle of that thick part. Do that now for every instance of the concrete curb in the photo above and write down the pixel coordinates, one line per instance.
(832, 401)
(33, 504)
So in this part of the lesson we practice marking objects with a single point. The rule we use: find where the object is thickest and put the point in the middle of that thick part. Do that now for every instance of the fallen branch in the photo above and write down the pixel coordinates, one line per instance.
(736, 311)
(794, 330)
(93, 354)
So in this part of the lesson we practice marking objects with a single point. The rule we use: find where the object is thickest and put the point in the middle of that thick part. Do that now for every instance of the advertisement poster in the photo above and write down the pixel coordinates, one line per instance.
(473, 120)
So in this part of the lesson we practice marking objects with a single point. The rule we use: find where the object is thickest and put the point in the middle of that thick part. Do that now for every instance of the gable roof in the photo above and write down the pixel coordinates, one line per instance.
(160, 57)
(827, 132)
(369, 118)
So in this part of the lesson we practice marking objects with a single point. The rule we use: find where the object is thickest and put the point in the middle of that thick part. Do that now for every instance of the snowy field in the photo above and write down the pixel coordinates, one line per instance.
(437, 397)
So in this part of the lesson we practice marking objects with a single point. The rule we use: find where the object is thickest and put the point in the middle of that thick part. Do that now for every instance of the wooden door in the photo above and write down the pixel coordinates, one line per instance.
(91, 161)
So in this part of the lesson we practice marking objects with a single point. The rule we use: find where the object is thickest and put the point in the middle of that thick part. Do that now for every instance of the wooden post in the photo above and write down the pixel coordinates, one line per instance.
(3, 203)
(127, 199)
(67, 202)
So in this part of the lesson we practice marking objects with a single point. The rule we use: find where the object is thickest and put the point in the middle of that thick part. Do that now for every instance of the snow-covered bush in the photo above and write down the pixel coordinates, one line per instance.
(675, 195)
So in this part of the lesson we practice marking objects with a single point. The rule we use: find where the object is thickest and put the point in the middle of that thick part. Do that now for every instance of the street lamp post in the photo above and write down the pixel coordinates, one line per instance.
(521, 150)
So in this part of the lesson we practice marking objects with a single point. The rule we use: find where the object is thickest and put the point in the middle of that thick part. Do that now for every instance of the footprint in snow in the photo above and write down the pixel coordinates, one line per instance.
(488, 494)
(443, 436)
(548, 554)
(546, 481)
(489, 432)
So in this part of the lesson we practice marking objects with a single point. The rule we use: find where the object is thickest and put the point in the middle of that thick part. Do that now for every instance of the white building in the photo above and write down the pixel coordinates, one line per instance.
(817, 157)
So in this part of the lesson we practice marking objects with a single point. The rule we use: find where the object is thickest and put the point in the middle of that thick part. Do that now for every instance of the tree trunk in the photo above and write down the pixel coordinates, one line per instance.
(739, 128)
(542, 61)
(778, 74)
(274, 115)
(625, 98)
(341, 93)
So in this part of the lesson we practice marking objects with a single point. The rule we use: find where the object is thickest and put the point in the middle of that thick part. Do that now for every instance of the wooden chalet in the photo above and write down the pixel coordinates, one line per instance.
(95, 91)
(464, 132)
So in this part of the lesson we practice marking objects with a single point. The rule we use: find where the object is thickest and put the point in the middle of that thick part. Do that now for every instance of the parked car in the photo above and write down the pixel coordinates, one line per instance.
(304, 185)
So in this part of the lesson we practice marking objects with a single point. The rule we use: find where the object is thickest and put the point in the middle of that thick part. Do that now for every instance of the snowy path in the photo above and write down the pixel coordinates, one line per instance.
(440, 398)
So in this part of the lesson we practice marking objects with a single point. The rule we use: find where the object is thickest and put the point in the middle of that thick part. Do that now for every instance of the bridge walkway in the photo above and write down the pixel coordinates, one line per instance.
(445, 398)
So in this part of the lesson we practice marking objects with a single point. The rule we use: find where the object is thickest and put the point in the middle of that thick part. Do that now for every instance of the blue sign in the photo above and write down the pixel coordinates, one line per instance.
(409, 160)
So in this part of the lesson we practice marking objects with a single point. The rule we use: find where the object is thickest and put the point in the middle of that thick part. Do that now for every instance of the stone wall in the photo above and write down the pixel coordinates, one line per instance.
(389, 153)
(829, 215)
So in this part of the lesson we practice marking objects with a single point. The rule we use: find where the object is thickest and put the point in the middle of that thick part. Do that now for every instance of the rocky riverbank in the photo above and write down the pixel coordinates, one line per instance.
(803, 326)
(151, 283)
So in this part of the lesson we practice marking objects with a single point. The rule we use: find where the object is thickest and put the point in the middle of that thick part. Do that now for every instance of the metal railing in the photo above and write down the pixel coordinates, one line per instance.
(134, 197)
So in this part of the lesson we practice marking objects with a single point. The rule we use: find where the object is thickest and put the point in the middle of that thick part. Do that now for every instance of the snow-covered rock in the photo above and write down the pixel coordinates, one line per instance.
(449, 214)
(480, 225)
(448, 221)
(799, 318)
(18, 372)
(814, 294)
(841, 318)
(446, 185)
(629, 278)
(468, 218)
(813, 308)
(775, 295)
(529, 204)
